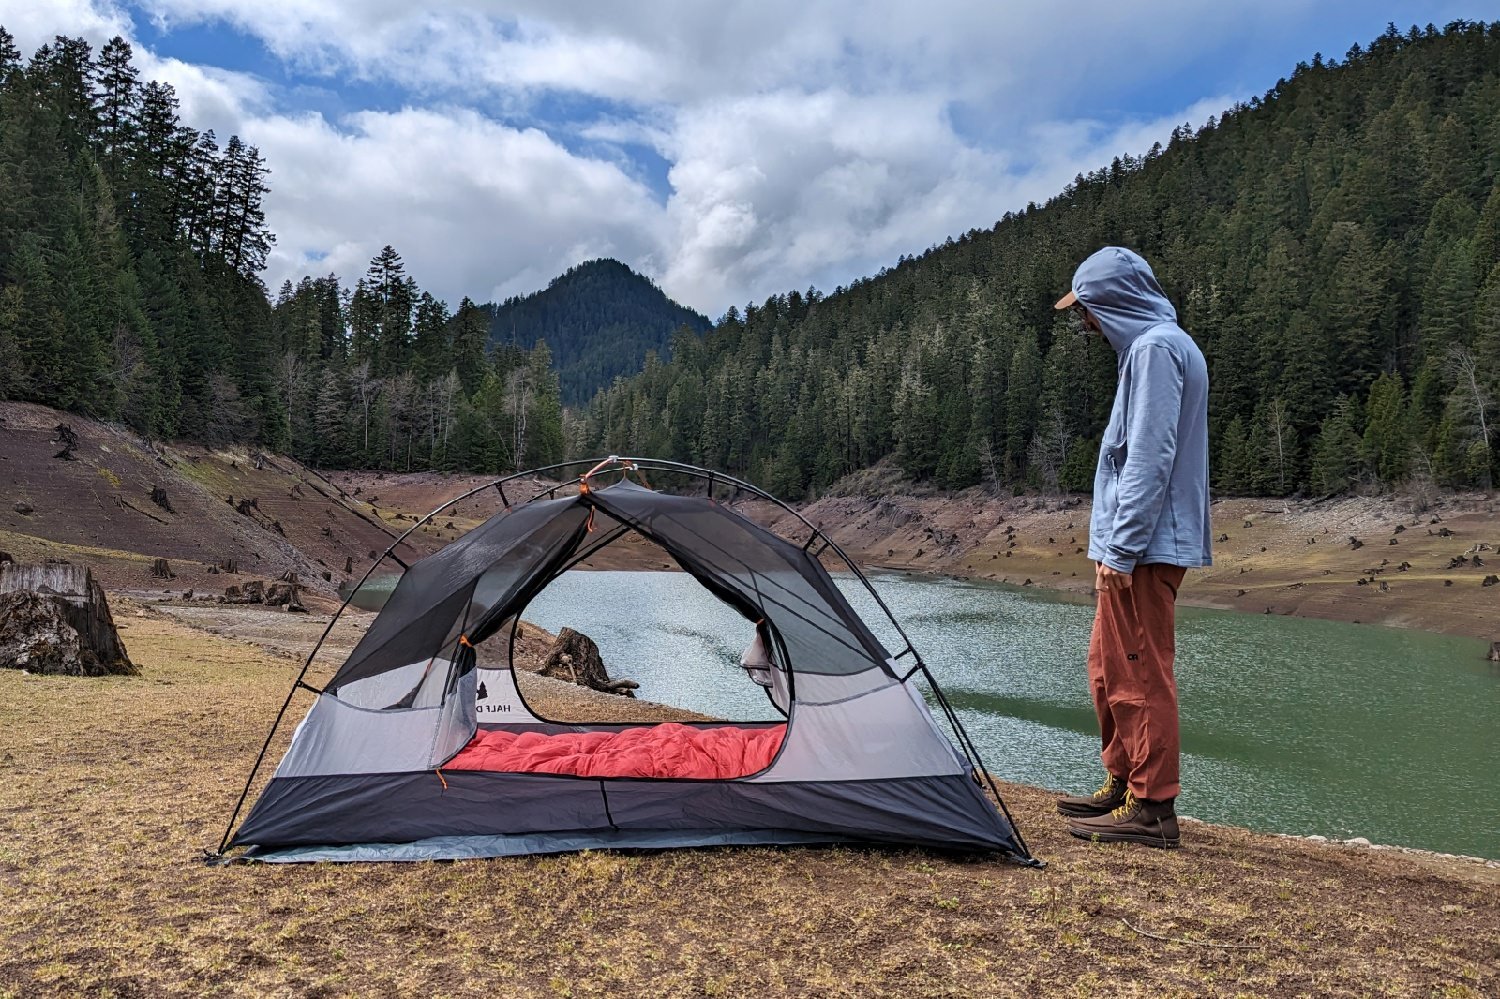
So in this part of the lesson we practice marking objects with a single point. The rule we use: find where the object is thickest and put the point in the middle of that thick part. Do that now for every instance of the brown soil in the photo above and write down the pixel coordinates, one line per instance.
(114, 787)
(96, 510)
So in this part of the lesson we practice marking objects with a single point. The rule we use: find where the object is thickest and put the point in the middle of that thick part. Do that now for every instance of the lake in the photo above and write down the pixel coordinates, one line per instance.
(1288, 725)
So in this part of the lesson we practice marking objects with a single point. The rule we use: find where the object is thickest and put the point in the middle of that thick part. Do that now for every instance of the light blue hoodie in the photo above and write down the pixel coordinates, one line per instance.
(1151, 486)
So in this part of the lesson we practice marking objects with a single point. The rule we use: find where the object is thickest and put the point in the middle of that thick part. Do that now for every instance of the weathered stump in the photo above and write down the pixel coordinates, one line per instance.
(54, 619)
(1495, 652)
(161, 569)
(69, 441)
(283, 594)
(159, 497)
(574, 657)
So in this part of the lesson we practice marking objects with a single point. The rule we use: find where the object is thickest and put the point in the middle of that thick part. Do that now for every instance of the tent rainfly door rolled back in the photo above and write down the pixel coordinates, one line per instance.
(414, 750)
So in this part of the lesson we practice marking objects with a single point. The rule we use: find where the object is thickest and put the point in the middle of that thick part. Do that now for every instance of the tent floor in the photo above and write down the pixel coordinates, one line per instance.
(479, 847)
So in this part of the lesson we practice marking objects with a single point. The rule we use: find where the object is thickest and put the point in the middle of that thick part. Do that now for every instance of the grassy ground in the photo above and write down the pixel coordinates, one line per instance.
(114, 788)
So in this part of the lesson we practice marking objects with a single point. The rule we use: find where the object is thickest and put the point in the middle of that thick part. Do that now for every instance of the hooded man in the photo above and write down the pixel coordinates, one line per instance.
(1150, 524)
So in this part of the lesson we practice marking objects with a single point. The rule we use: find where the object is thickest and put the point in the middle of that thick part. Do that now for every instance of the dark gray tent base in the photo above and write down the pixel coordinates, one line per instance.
(481, 847)
(948, 812)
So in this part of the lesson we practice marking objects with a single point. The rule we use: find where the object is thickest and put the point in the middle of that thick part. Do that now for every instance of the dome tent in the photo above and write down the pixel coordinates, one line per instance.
(376, 769)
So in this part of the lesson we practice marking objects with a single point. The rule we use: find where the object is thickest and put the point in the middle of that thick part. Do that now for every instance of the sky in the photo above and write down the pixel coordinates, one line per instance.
(727, 150)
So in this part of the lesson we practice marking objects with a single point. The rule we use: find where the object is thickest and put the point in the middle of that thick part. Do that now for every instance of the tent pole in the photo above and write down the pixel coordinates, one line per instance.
(302, 675)
(972, 752)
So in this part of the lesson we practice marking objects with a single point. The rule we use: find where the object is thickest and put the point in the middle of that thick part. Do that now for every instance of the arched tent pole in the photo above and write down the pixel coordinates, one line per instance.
(625, 465)
(301, 680)
(966, 744)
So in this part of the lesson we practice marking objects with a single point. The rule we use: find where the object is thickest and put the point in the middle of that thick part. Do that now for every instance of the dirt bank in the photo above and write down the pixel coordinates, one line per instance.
(1421, 569)
(1418, 564)
(116, 503)
(114, 787)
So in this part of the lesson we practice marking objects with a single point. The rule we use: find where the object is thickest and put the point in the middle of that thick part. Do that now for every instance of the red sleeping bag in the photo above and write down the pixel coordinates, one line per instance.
(665, 750)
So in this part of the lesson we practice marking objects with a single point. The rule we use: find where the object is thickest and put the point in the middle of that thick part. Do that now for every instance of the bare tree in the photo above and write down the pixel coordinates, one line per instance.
(368, 388)
(225, 420)
(289, 371)
(988, 466)
(1471, 401)
(443, 394)
(1278, 439)
(1049, 449)
(401, 402)
(519, 390)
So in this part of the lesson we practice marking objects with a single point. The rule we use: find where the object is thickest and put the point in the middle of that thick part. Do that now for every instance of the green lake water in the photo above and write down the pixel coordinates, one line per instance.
(1288, 725)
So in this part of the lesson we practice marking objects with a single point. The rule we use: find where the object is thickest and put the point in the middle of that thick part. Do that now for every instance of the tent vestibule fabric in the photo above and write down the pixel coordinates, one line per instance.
(860, 757)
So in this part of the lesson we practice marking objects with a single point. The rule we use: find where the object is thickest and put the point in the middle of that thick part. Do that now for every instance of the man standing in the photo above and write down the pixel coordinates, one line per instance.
(1150, 524)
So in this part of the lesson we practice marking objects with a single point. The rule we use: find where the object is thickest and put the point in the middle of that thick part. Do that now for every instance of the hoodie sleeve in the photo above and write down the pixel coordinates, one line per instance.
(1151, 449)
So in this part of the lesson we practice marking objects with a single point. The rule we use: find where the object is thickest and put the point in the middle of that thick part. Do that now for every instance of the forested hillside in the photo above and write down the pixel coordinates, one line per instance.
(129, 245)
(383, 375)
(1334, 247)
(599, 319)
(130, 248)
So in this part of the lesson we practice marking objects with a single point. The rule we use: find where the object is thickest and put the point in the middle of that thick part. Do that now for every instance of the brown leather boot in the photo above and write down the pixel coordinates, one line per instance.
(1152, 823)
(1111, 795)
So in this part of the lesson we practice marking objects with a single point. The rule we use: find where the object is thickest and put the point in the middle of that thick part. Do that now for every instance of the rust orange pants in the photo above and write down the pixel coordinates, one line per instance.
(1130, 674)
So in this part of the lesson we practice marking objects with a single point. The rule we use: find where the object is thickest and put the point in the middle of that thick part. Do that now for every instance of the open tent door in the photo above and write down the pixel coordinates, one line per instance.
(859, 758)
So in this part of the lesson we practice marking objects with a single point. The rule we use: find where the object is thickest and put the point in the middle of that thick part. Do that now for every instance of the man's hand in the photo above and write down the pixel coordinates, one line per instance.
(1106, 578)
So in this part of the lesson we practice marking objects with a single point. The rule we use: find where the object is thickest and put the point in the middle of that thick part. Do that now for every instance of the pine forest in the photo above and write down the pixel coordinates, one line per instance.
(1333, 246)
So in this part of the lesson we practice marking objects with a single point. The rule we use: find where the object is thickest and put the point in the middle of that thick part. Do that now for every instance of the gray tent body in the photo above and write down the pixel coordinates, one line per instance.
(862, 760)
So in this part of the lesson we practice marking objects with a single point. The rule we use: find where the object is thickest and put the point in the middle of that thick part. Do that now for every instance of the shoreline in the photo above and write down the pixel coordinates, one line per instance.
(1358, 560)
(268, 631)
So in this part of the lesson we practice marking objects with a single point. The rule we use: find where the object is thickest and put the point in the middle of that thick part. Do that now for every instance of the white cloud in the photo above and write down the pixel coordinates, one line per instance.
(34, 24)
(475, 207)
(805, 143)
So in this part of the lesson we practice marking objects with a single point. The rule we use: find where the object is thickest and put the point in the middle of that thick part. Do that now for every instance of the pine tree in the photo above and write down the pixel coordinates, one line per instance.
(469, 334)
(1387, 445)
(119, 86)
(1335, 458)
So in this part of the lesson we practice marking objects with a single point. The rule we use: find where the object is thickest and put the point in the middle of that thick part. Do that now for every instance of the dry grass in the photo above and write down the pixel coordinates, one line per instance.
(114, 787)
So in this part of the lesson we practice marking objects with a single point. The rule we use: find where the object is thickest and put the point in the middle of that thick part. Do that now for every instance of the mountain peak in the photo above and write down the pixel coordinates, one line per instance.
(599, 319)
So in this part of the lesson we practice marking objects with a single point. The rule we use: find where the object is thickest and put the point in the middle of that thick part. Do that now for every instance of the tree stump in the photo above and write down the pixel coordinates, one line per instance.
(159, 497)
(69, 441)
(574, 657)
(55, 620)
(1495, 652)
(160, 569)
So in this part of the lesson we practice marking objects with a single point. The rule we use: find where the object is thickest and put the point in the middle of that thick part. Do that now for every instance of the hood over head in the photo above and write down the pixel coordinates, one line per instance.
(1118, 288)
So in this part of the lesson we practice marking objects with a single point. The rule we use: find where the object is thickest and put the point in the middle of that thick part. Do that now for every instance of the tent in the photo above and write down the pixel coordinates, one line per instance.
(415, 749)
